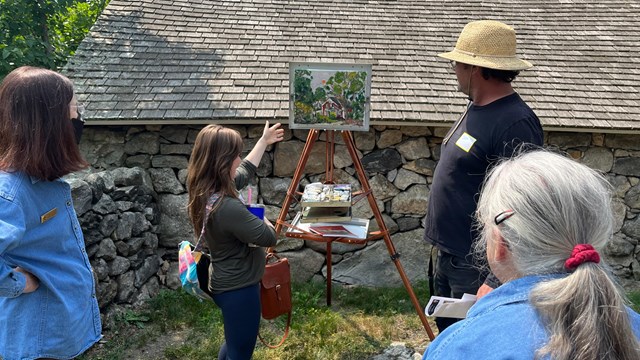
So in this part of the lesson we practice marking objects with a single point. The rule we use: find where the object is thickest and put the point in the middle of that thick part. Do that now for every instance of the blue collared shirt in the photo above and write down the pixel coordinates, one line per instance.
(501, 325)
(40, 232)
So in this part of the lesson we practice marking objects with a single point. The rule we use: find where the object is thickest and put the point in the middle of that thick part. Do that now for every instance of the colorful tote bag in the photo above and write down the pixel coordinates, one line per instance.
(193, 264)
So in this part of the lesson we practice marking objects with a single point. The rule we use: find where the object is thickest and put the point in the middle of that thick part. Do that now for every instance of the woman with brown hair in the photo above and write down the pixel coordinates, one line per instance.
(47, 290)
(232, 233)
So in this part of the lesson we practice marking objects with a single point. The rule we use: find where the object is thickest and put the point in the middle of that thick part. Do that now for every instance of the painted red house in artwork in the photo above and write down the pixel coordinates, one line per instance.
(332, 105)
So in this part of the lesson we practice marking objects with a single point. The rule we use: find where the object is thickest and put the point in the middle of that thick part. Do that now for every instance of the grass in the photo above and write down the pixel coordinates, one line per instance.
(362, 322)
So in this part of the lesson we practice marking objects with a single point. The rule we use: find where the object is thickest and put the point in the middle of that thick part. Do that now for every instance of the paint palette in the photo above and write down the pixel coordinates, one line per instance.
(326, 195)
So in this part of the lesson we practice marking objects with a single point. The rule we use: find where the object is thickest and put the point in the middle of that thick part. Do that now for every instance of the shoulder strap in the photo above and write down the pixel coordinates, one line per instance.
(208, 208)
(284, 337)
(456, 125)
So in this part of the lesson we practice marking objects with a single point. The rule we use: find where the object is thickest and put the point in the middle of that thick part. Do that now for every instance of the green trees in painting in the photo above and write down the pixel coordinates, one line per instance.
(43, 33)
(340, 99)
(304, 97)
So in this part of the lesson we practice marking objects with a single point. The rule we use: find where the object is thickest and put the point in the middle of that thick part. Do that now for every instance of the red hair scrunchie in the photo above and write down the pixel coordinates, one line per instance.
(581, 253)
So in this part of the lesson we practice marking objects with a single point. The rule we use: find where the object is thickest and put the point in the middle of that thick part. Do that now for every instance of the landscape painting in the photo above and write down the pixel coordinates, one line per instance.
(329, 96)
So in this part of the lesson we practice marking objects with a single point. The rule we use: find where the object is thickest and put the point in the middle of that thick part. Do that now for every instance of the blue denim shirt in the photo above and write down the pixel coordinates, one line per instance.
(40, 232)
(501, 325)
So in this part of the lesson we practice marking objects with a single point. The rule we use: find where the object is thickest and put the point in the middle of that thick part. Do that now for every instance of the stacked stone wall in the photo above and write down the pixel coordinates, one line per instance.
(132, 203)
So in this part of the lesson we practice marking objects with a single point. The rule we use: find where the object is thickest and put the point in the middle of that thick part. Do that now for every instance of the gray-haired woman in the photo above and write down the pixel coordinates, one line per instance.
(544, 219)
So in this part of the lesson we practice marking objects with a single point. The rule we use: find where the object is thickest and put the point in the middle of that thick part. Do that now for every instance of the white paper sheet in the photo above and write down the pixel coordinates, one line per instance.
(450, 307)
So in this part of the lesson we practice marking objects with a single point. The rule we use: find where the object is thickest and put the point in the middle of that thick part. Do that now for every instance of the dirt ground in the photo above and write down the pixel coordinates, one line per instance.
(153, 349)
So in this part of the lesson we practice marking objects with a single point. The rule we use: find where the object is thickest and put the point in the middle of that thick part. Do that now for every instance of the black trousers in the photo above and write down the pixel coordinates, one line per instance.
(453, 277)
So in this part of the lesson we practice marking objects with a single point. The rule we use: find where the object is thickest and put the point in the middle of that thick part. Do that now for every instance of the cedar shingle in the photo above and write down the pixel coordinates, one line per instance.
(144, 56)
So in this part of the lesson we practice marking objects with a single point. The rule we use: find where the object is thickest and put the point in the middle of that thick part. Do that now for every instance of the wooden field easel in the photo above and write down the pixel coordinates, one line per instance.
(383, 233)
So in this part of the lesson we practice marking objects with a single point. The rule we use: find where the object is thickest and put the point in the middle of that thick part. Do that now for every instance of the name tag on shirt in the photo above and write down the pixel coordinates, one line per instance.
(48, 215)
(465, 142)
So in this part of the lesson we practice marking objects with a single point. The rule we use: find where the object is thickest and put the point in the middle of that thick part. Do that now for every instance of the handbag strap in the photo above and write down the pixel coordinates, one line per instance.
(207, 211)
(284, 337)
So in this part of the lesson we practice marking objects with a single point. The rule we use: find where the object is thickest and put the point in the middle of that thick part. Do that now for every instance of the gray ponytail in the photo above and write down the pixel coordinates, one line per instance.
(559, 203)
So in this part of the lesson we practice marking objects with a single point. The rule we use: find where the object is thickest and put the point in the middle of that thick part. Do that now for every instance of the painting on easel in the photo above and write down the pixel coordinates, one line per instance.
(329, 96)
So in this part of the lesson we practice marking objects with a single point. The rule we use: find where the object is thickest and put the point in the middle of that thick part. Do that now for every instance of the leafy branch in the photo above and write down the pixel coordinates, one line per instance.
(43, 33)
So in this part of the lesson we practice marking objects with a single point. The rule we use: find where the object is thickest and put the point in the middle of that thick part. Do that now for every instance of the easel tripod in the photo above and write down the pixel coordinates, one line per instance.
(383, 233)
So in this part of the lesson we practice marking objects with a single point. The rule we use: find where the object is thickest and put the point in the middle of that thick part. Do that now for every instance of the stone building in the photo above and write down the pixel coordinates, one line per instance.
(153, 72)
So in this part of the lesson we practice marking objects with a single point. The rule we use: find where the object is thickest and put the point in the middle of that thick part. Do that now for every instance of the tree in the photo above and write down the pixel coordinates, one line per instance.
(302, 87)
(43, 33)
(303, 104)
(348, 88)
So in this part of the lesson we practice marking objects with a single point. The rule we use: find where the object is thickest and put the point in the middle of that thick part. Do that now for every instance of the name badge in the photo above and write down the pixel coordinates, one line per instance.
(48, 215)
(465, 142)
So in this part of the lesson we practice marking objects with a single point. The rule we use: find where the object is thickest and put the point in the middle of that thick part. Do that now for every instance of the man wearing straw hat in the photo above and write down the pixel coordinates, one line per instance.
(494, 123)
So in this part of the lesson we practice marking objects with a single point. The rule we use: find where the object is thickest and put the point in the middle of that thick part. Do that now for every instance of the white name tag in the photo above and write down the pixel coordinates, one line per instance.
(465, 142)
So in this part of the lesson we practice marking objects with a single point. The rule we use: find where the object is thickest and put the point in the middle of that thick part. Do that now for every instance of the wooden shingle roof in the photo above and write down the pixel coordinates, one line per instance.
(197, 61)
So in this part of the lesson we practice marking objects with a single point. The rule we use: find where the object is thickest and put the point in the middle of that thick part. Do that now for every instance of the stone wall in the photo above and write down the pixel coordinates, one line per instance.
(132, 203)
(119, 214)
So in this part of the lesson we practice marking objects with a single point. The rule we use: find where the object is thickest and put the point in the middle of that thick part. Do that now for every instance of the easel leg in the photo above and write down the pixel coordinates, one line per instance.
(306, 152)
(329, 263)
(395, 257)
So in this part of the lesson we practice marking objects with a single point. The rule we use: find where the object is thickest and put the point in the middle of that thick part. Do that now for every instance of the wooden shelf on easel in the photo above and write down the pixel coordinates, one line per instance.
(358, 229)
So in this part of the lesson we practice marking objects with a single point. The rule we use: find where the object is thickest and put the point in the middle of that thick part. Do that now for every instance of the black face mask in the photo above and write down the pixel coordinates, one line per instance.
(78, 125)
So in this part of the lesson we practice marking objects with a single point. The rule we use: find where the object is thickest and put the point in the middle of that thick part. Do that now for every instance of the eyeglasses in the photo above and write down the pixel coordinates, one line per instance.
(503, 216)
(452, 64)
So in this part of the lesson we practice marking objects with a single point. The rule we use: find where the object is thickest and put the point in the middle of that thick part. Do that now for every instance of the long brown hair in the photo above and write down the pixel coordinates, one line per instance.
(209, 170)
(35, 125)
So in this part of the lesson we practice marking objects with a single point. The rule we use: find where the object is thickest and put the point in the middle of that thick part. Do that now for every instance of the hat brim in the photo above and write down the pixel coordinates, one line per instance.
(497, 63)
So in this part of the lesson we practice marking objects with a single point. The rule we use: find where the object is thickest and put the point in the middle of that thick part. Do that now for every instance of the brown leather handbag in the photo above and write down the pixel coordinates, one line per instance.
(275, 292)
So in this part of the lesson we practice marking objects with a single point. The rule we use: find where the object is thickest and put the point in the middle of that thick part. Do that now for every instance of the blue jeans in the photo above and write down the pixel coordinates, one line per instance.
(453, 277)
(241, 314)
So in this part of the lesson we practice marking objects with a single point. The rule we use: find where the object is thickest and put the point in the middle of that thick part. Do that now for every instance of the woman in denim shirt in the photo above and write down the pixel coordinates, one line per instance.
(48, 307)
(544, 220)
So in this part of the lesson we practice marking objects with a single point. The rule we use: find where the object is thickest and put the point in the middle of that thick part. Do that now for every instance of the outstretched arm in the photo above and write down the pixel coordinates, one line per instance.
(270, 135)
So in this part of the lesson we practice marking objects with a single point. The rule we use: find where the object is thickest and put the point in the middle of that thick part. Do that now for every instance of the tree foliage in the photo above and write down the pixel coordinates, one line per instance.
(43, 33)
(348, 89)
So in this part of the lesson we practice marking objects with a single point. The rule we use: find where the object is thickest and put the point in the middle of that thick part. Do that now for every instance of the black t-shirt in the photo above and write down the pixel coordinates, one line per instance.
(486, 134)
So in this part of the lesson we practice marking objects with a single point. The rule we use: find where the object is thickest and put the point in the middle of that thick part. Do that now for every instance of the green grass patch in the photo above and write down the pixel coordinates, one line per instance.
(362, 322)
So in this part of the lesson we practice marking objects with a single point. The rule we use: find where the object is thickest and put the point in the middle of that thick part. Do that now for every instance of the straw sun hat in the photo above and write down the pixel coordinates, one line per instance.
(489, 44)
